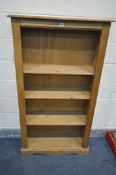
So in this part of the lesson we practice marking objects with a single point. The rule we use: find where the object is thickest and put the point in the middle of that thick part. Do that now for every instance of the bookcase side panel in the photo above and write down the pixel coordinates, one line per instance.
(96, 81)
(19, 76)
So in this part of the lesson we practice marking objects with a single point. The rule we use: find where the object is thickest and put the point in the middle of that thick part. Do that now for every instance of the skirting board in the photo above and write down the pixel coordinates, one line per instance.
(16, 133)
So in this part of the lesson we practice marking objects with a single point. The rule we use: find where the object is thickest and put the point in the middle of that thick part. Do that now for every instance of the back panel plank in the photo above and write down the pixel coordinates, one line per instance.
(59, 46)
(57, 82)
(61, 132)
(52, 128)
(56, 106)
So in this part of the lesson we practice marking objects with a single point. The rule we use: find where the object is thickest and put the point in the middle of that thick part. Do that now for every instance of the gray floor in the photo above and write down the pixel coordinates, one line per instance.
(100, 161)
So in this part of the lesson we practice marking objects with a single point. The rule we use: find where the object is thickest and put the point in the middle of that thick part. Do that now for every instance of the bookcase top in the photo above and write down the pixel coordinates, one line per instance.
(68, 18)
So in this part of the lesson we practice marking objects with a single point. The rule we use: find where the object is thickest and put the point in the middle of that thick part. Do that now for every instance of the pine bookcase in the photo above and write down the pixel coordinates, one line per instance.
(58, 68)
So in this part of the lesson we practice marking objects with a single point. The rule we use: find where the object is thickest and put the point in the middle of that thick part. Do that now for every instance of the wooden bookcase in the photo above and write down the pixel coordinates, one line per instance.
(58, 68)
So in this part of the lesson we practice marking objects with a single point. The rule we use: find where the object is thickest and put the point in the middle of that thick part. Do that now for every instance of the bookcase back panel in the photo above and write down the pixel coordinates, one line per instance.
(65, 47)
(56, 106)
(64, 131)
(57, 82)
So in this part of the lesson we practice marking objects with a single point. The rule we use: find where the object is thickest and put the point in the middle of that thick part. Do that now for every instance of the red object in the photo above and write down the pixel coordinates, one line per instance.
(111, 139)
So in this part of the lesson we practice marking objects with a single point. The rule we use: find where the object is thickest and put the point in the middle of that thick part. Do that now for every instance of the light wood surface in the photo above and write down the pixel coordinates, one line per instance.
(56, 120)
(55, 145)
(59, 47)
(69, 18)
(96, 81)
(58, 65)
(58, 69)
(57, 95)
(19, 75)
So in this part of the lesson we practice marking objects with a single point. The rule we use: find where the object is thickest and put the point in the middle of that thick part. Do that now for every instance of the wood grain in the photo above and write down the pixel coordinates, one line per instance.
(56, 120)
(96, 81)
(63, 25)
(48, 106)
(59, 47)
(55, 131)
(57, 82)
(58, 69)
(57, 95)
(55, 145)
(68, 18)
(19, 75)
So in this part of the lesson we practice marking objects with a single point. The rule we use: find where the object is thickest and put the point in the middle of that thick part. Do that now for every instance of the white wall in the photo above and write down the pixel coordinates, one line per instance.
(105, 113)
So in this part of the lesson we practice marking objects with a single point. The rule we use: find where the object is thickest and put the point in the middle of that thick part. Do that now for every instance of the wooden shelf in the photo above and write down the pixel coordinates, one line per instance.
(56, 120)
(57, 145)
(57, 95)
(58, 69)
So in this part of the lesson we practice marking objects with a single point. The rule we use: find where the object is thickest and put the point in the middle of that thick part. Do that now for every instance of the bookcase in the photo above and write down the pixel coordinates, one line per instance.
(58, 68)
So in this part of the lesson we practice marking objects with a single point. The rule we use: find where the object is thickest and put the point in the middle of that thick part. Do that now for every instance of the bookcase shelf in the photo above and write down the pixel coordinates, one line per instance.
(58, 68)
(55, 145)
(57, 95)
(56, 120)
